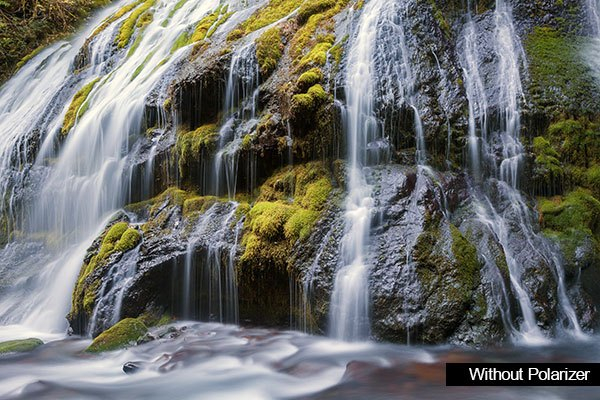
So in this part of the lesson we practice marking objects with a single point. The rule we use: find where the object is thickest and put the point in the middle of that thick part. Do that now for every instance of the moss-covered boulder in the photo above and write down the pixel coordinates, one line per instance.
(287, 209)
(19, 346)
(125, 333)
(116, 240)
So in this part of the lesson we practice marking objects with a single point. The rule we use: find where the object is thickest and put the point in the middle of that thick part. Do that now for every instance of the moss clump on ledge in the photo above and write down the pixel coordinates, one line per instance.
(310, 8)
(193, 145)
(288, 206)
(19, 346)
(130, 24)
(78, 107)
(209, 24)
(307, 103)
(308, 79)
(125, 333)
(269, 50)
(264, 16)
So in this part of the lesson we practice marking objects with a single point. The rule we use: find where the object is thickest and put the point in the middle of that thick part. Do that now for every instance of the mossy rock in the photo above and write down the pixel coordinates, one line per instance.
(269, 49)
(560, 78)
(573, 221)
(20, 346)
(118, 239)
(125, 333)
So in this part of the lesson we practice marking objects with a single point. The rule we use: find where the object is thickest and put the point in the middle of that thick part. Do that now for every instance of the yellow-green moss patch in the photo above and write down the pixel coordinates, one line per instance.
(125, 333)
(129, 26)
(269, 50)
(78, 107)
(19, 346)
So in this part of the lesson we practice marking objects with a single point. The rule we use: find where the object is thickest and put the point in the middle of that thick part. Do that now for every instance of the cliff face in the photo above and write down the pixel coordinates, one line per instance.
(237, 170)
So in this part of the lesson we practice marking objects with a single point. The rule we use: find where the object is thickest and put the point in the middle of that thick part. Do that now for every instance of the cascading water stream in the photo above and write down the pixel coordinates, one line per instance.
(379, 74)
(210, 266)
(349, 310)
(88, 179)
(241, 99)
(515, 216)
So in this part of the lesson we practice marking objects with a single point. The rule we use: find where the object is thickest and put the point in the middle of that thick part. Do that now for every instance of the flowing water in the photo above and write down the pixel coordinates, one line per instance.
(60, 198)
(500, 152)
(212, 361)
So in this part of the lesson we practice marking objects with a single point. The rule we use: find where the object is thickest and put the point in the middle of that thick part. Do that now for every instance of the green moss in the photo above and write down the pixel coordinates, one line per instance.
(272, 12)
(287, 208)
(309, 78)
(318, 55)
(141, 67)
(310, 8)
(572, 221)
(307, 103)
(118, 238)
(300, 224)
(560, 77)
(198, 204)
(440, 19)
(19, 346)
(78, 107)
(269, 49)
(125, 333)
(209, 24)
(29, 56)
(128, 28)
(578, 210)
(191, 145)
(116, 16)
(592, 177)
(128, 241)
(468, 263)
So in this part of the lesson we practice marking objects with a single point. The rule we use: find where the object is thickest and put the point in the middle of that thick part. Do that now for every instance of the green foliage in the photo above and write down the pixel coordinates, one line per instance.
(308, 79)
(128, 241)
(560, 77)
(27, 26)
(272, 12)
(309, 8)
(19, 346)
(125, 333)
(269, 50)
(130, 24)
(191, 145)
(78, 107)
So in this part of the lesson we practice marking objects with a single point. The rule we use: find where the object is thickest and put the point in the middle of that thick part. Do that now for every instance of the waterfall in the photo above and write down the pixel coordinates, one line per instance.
(241, 99)
(349, 310)
(507, 216)
(77, 187)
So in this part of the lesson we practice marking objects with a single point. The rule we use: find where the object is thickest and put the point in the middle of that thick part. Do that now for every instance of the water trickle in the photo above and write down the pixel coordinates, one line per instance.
(107, 311)
(241, 101)
(209, 285)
